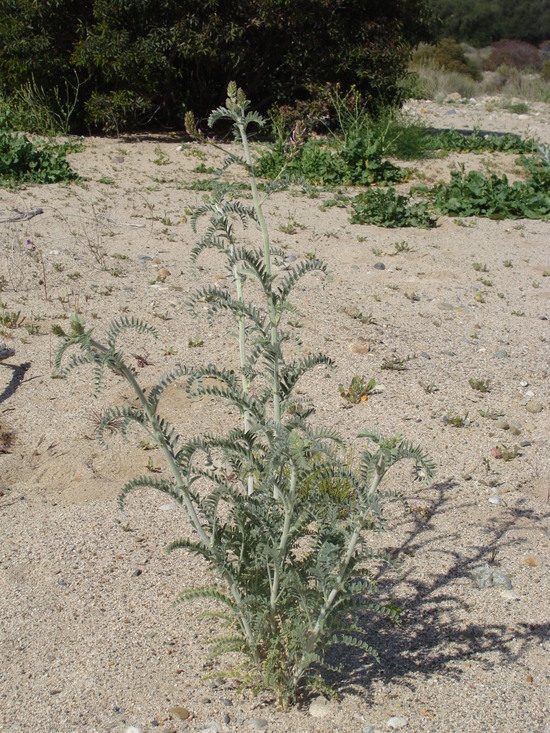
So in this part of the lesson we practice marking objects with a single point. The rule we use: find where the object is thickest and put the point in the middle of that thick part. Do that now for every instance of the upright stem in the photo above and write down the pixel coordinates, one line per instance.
(242, 355)
(281, 551)
(352, 544)
(267, 262)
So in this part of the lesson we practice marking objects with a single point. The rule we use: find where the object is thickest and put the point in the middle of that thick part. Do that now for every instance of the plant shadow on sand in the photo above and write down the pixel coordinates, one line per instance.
(440, 630)
(16, 380)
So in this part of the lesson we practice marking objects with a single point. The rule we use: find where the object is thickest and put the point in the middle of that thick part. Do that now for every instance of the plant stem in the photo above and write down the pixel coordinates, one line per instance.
(267, 262)
(352, 544)
(242, 355)
(282, 549)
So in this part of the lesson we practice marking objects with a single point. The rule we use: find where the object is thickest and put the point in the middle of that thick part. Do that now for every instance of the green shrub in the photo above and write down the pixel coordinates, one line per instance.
(157, 58)
(474, 194)
(357, 162)
(26, 161)
(448, 55)
(282, 521)
(389, 209)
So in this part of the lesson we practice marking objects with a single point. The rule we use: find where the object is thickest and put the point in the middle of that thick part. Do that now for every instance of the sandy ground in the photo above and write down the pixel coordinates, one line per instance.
(90, 638)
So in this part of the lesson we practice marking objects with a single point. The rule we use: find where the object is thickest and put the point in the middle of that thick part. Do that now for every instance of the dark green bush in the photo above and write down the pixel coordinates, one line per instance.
(146, 61)
(483, 23)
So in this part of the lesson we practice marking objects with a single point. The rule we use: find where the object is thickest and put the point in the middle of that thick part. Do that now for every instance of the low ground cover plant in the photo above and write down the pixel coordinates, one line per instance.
(357, 162)
(28, 161)
(274, 506)
(474, 194)
(387, 208)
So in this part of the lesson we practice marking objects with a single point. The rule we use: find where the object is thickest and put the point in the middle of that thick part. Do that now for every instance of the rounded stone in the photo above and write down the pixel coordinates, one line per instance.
(319, 708)
(396, 722)
(179, 712)
(257, 723)
(534, 407)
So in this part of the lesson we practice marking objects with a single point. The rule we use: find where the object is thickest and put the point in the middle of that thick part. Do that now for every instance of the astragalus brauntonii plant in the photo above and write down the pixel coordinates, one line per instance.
(279, 517)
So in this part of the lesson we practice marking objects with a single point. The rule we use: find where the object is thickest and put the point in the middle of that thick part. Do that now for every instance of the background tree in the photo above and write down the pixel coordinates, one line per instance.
(149, 60)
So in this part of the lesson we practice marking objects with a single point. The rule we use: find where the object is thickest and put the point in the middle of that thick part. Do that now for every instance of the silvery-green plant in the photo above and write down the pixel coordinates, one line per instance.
(279, 517)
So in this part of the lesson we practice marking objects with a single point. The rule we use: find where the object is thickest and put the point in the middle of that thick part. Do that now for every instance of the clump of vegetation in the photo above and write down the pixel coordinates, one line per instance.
(474, 194)
(27, 161)
(516, 54)
(480, 385)
(456, 421)
(390, 209)
(292, 557)
(448, 55)
(358, 391)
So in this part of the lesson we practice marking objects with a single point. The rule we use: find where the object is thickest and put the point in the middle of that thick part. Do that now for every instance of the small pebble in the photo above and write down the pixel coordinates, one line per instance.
(179, 712)
(379, 266)
(486, 577)
(359, 347)
(524, 383)
(445, 306)
(533, 407)
(425, 355)
(168, 507)
(257, 723)
(227, 703)
(496, 500)
(137, 573)
(396, 722)
(525, 443)
(501, 354)
(209, 728)
(319, 708)
(502, 424)
(226, 719)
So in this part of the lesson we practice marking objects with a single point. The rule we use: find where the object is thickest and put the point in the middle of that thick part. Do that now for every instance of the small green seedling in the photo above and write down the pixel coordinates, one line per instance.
(423, 511)
(491, 414)
(358, 391)
(11, 319)
(396, 363)
(480, 385)
(507, 263)
(402, 247)
(478, 267)
(195, 343)
(505, 453)
(428, 387)
(456, 421)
